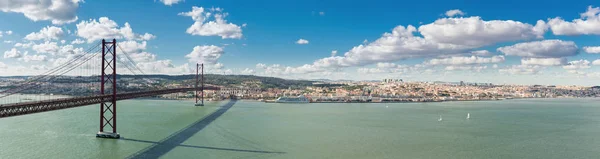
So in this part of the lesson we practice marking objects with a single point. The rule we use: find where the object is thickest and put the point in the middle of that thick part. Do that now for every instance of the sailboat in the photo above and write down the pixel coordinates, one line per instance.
(440, 118)
(468, 115)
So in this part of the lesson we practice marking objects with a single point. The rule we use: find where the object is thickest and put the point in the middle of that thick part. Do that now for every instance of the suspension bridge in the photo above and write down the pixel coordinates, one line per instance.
(84, 79)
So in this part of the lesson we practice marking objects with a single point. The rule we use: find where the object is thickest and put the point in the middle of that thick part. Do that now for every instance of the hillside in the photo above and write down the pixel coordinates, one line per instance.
(214, 79)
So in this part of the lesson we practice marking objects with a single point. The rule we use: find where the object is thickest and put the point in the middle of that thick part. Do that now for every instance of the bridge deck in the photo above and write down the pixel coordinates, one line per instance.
(15, 109)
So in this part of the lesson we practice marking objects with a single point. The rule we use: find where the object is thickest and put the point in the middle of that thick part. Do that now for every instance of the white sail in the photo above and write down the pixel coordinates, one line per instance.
(468, 115)
(440, 118)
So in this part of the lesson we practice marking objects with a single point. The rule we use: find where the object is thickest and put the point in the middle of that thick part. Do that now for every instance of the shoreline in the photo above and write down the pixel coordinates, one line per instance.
(478, 100)
(272, 101)
(474, 100)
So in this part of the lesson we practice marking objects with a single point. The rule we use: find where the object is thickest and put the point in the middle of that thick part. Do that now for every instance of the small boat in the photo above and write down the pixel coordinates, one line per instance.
(440, 118)
(468, 115)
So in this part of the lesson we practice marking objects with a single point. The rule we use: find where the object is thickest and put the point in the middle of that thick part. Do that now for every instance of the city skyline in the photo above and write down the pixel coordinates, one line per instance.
(498, 43)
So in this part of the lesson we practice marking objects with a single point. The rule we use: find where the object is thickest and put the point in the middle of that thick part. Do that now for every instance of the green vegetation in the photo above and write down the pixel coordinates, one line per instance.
(229, 80)
(354, 87)
(87, 85)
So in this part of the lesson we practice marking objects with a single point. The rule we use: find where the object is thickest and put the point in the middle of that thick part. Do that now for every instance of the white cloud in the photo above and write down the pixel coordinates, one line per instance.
(261, 66)
(481, 53)
(12, 53)
(228, 71)
(77, 41)
(370, 70)
(207, 54)
(273, 69)
(386, 65)
(465, 68)
(164, 67)
(142, 57)
(544, 61)
(26, 45)
(248, 71)
(48, 33)
(8, 41)
(39, 67)
(61, 60)
(521, 69)
(579, 64)
(218, 27)
(67, 50)
(596, 62)
(27, 57)
(3, 66)
(58, 11)
(322, 13)
(105, 28)
(132, 46)
(444, 37)
(46, 47)
(576, 72)
(333, 53)
(213, 9)
(136, 51)
(541, 49)
(197, 14)
(400, 44)
(460, 60)
(8, 32)
(170, 2)
(452, 13)
(217, 66)
(63, 41)
(588, 24)
(475, 32)
(302, 41)
(146, 36)
(592, 49)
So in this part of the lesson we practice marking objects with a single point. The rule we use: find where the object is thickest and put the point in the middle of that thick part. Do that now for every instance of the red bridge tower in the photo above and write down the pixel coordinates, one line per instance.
(108, 77)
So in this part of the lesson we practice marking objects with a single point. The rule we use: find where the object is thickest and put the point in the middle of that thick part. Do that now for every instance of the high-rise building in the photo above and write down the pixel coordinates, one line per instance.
(392, 80)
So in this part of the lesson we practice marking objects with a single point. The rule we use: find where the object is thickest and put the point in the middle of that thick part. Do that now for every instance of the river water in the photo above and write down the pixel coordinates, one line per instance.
(533, 128)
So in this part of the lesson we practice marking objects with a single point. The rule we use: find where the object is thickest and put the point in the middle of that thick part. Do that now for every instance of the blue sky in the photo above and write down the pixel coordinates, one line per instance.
(260, 38)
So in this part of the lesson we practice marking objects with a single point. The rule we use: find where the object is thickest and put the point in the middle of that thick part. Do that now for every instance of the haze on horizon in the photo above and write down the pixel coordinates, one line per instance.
(537, 43)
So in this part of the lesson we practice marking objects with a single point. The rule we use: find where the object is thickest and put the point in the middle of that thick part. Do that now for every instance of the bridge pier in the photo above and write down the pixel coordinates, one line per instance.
(108, 135)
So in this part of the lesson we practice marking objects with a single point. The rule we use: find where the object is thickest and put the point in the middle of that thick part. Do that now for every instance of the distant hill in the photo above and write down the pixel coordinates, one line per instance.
(214, 79)
(228, 80)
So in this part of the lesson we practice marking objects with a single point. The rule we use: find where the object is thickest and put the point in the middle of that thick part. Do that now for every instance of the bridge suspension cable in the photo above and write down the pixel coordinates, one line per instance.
(52, 74)
(131, 61)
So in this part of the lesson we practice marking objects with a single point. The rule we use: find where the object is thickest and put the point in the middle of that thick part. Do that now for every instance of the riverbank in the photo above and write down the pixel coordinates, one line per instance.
(434, 101)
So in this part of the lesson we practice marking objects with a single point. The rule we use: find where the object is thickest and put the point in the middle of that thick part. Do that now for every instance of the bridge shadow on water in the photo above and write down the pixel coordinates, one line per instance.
(164, 146)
